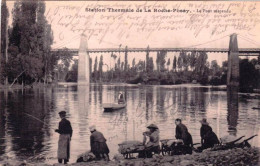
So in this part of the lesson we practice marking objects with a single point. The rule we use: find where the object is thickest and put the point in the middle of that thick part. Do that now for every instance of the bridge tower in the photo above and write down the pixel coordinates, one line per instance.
(83, 62)
(233, 62)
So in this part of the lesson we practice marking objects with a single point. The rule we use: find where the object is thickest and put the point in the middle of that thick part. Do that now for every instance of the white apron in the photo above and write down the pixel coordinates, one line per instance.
(63, 150)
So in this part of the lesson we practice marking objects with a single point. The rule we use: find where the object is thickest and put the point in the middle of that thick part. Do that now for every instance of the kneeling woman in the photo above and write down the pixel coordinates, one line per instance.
(153, 144)
(98, 144)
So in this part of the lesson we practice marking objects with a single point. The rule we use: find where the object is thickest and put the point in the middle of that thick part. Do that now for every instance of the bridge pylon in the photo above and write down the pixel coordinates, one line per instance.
(83, 62)
(233, 62)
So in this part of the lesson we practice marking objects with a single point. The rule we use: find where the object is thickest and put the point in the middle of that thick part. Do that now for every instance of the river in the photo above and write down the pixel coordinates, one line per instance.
(22, 137)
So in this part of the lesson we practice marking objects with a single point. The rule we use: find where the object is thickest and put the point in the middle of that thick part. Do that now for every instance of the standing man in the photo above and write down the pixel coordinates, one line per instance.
(65, 131)
(183, 134)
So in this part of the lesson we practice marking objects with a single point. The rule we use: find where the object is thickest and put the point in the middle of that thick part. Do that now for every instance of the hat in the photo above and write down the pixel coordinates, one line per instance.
(204, 121)
(62, 113)
(92, 128)
(152, 126)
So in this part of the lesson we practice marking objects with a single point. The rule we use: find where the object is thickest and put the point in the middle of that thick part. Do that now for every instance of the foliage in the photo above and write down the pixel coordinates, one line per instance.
(160, 60)
(95, 74)
(248, 81)
(174, 64)
(126, 60)
(29, 43)
(100, 67)
(62, 60)
(4, 26)
(72, 75)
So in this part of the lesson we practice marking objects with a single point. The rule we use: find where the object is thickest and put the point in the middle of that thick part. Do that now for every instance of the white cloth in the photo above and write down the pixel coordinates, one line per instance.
(64, 141)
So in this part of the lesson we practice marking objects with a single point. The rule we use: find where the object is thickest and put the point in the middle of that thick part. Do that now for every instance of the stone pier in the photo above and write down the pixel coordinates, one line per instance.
(233, 62)
(83, 62)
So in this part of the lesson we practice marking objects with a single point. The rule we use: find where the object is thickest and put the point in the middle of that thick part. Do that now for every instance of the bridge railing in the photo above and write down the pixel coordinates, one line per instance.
(216, 50)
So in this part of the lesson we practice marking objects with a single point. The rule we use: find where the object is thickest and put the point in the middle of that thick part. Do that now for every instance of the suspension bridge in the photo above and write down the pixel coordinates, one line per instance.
(233, 55)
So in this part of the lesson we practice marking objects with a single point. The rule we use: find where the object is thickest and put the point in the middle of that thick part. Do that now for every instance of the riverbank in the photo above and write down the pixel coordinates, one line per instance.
(247, 156)
(19, 86)
(238, 156)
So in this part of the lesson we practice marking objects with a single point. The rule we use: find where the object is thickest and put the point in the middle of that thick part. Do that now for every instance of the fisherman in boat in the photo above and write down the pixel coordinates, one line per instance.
(98, 144)
(65, 131)
(121, 99)
(183, 134)
(153, 144)
(208, 137)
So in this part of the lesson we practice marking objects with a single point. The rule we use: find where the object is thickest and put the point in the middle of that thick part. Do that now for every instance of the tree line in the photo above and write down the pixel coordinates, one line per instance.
(186, 67)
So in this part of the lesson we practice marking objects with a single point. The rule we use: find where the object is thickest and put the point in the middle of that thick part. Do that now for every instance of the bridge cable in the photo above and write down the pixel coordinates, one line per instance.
(248, 38)
(205, 42)
(66, 42)
(62, 43)
(250, 41)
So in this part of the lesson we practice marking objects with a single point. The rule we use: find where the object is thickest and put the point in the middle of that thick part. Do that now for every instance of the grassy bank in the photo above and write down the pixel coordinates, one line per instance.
(232, 157)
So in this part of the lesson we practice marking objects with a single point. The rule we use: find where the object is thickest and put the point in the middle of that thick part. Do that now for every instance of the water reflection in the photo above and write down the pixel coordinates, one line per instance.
(232, 102)
(22, 136)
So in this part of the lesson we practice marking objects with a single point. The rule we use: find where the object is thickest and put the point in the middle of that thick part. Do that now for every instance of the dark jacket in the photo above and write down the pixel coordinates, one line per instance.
(98, 143)
(65, 127)
(208, 137)
(182, 133)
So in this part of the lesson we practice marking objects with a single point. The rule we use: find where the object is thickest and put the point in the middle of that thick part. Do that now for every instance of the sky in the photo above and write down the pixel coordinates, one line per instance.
(200, 27)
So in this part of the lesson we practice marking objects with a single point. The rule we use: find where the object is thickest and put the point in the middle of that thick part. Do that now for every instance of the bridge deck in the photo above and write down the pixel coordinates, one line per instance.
(242, 51)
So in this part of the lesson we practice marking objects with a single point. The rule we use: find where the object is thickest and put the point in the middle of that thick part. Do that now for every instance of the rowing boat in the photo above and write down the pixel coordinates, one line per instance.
(113, 106)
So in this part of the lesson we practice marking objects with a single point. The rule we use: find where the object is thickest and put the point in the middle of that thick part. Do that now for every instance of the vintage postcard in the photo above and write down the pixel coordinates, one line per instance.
(130, 83)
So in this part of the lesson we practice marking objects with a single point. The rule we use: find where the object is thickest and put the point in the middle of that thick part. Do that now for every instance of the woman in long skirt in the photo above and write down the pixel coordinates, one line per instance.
(98, 144)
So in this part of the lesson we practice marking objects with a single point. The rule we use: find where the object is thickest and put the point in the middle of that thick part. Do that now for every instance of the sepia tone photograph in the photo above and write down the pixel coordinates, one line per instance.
(130, 83)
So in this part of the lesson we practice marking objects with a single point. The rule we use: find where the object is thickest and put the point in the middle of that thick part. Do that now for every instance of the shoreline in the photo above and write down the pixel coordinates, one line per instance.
(19, 87)
(235, 156)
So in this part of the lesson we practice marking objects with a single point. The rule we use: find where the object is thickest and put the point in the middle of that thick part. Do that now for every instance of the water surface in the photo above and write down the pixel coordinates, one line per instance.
(23, 137)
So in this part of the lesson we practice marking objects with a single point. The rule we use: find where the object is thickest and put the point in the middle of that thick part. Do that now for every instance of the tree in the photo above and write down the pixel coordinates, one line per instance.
(147, 59)
(100, 67)
(248, 82)
(150, 65)
(140, 66)
(188, 61)
(114, 57)
(200, 66)
(4, 26)
(174, 64)
(192, 60)
(95, 69)
(179, 62)
(45, 40)
(63, 59)
(133, 63)
(90, 67)
(184, 58)
(72, 75)
(118, 63)
(126, 60)
(29, 42)
(122, 66)
(214, 67)
(168, 63)
(160, 60)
